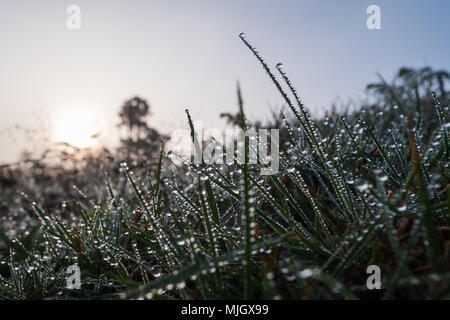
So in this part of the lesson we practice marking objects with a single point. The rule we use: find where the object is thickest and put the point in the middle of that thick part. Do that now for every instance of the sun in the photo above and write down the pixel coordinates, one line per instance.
(77, 127)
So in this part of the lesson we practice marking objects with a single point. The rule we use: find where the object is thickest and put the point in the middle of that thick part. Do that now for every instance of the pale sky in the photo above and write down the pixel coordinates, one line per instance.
(187, 54)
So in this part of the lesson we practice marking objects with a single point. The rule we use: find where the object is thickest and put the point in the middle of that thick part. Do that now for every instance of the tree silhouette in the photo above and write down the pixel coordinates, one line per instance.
(141, 142)
(410, 84)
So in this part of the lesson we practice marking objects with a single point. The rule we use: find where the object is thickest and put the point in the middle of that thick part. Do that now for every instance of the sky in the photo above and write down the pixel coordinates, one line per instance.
(182, 54)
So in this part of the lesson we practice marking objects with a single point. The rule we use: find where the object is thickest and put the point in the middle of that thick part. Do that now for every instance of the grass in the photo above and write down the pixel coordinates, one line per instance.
(366, 188)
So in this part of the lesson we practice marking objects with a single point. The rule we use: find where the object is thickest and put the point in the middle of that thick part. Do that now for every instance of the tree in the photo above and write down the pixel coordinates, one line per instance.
(141, 142)
(410, 84)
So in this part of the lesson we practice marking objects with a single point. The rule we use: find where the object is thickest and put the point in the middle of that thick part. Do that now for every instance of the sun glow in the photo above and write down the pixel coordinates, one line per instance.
(77, 127)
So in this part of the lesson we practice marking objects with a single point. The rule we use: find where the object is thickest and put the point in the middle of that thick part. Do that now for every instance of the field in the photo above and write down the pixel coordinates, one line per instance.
(360, 188)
